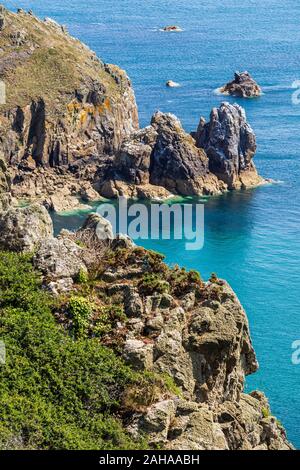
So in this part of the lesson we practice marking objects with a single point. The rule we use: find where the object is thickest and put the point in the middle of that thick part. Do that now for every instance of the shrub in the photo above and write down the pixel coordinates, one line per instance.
(183, 281)
(57, 392)
(107, 319)
(266, 412)
(82, 277)
(153, 283)
(81, 311)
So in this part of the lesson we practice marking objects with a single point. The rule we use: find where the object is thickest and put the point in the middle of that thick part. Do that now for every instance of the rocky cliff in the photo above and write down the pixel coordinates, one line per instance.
(167, 322)
(69, 128)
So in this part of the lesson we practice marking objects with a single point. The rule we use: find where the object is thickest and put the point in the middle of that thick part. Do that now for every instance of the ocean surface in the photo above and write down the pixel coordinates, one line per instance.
(252, 238)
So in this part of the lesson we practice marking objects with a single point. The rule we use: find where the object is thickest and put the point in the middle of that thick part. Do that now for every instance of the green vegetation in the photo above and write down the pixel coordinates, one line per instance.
(52, 70)
(153, 283)
(266, 412)
(56, 392)
(107, 319)
(81, 311)
(82, 277)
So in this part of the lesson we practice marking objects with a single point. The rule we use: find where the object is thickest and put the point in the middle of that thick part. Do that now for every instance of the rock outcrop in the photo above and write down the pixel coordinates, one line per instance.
(22, 229)
(230, 145)
(165, 156)
(243, 86)
(177, 164)
(75, 106)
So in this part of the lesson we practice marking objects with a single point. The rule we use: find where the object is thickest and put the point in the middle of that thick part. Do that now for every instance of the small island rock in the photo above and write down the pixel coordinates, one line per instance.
(243, 86)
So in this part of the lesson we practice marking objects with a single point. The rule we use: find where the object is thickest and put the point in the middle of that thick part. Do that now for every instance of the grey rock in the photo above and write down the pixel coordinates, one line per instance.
(98, 227)
(177, 164)
(230, 144)
(133, 303)
(134, 158)
(59, 259)
(24, 229)
(138, 354)
(122, 241)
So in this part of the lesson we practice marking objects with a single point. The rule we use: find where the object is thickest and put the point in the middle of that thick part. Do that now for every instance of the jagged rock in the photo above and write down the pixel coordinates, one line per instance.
(245, 427)
(177, 164)
(132, 302)
(230, 144)
(196, 431)
(134, 158)
(23, 229)
(138, 354)
(243, 86)
(59, 258)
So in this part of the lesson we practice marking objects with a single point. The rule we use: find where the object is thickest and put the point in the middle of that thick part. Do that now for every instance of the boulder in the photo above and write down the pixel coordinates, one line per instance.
(230, 145)
(59, 258)
(243, 86)
(138, 354)
(23, 229)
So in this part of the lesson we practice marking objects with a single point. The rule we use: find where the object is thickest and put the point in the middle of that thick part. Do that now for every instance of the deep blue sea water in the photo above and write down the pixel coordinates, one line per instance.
(251, 238)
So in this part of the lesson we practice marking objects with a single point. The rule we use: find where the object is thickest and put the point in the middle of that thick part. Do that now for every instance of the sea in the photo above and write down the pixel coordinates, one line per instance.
(252, 238)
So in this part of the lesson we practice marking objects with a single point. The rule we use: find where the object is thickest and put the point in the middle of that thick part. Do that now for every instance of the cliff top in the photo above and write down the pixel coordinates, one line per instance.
(39, 59)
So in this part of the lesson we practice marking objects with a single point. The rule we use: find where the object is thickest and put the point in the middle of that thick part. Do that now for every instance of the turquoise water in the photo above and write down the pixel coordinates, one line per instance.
(251, 238)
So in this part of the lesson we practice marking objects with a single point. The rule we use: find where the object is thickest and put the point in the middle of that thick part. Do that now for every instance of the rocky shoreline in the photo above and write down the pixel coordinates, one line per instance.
(64, 142)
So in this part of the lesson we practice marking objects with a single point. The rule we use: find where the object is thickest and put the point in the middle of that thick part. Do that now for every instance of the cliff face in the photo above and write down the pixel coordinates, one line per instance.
(62, 102)
(166, 322)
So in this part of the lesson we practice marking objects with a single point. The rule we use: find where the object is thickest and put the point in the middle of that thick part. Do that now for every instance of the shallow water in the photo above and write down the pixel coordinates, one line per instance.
(252, 237)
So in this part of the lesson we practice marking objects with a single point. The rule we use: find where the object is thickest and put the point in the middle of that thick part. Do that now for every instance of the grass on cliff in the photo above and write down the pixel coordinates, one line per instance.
(56, 392)
(49, 65)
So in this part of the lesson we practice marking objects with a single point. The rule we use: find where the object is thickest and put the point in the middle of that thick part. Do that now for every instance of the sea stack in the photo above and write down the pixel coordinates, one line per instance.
(230, 145)
(243, 86)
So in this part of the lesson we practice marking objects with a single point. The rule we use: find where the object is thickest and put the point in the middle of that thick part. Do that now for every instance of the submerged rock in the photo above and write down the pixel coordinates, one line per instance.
(243, 86)
(230, 145)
